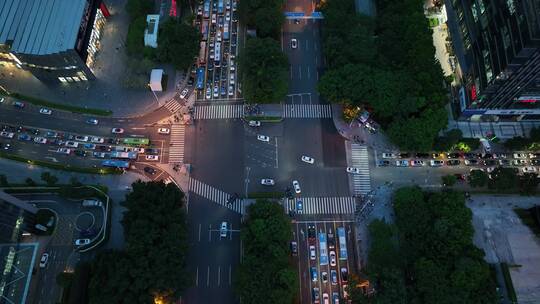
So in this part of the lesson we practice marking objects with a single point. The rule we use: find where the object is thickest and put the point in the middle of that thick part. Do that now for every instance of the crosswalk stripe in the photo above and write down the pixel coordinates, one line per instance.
(217, 196)
(172, 105)
(307, 111)
(176, 150)
(223, 111)
(360, 159)
(324, 205)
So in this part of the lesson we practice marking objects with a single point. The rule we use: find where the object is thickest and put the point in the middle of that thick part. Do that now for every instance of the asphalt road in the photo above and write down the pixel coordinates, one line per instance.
(213, 260)
(305, 263)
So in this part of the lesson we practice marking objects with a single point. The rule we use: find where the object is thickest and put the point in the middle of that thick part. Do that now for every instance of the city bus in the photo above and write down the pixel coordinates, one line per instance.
(206, 12)
(124, 155)
(217, 53)
(342, 243)
(226, 31)
(135, 141)
(200, 78)
(323, 251)
(204, 30)
(202, 53)
(115, 164)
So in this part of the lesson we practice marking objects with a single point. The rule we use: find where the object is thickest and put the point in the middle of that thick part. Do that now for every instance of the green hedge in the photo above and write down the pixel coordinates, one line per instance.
(59, 166)
(508, 282)
(276, 194)
(65, 107)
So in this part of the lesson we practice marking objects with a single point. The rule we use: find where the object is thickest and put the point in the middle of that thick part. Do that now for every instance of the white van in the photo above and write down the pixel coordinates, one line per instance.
(485, 145)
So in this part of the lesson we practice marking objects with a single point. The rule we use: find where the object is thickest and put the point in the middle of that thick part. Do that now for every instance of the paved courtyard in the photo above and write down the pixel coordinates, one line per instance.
(504, 238)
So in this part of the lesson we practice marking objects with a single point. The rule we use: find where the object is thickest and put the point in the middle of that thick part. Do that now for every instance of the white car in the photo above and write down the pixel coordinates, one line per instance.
(520, 155)
(223, 229)
(231, 90)
(92, 121)
(267, 182)
(263, 138)
(388, 155)
(44, 259)
(436, 163)
(308, 159)
(97, 140)
(72, 144)
(45, 111)
(353, 170)
(519, 162)
(82, 138)
(417, 163)
(40, 140)
(63, 151)
(99, 154)
(529, 169)
(332, 258)
(216, 91)
(184, 93)
(208, 93)
(231, 79)
(294, 43)
(81, 242)
(117, 130)
(254, 123)
(296, 186)
(402, 163)
(163, 131)
(312, 253)
(152, 157)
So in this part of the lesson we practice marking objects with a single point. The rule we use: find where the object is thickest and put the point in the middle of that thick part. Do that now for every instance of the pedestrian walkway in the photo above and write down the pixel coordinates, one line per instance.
(360, 160)
(223, 111)
(217, 196)
(176, 150)
(173, 106)
(323, 205)
(307, 111)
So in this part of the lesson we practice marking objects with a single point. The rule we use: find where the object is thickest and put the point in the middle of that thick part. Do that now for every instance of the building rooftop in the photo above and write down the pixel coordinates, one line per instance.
(40, 27)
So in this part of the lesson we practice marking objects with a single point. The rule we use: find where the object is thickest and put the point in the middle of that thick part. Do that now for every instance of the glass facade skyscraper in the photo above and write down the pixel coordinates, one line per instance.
(497, 45)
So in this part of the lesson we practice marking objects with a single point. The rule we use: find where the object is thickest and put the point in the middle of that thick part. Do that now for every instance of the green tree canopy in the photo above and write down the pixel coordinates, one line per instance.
(178, 43)
(264, 71)
(155, 256)
(265, 16)
(503, 179)
(477, 178)
(528, 183)
(265, 269)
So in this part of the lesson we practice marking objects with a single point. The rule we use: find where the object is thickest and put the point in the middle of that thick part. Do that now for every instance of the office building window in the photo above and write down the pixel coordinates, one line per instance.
(62, 79)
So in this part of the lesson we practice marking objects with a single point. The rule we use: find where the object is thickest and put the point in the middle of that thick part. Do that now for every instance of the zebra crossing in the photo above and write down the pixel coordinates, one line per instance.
(176, 150)
(307, 111)
(217, 196)
(223, 111)
(323, 205)
(173, 105)
(360, 160)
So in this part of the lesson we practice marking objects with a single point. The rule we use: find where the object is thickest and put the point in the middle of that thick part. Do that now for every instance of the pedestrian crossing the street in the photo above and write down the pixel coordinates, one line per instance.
(176, 149)
(307, 111)
(173, 105)
(360, 160)
(223, 111)
(323, 205)
(217, 196)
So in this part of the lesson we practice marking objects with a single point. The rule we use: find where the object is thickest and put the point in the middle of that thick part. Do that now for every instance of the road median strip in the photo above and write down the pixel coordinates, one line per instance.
(71, 108)
(62, 167)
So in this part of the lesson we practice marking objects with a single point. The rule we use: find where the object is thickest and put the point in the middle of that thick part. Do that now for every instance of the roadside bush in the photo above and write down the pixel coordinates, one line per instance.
(49, 179)
(30, 182)
(3, 181)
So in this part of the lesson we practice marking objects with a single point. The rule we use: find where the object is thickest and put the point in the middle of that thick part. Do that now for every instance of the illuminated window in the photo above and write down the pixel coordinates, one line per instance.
(62, 79)
(84, 78)
(77, 79)
(69, 79)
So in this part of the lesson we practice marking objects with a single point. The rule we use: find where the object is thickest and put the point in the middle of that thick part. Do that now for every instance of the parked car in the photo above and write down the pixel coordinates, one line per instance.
(519, 162)
(267, 182)
(471, 162)
(63, 151)
(307, 159)
(453, 162)
(402, 163)
(417, 163)
(388, 155)
(436, 163)
(152, 157)
(383, 163)
(520, 155)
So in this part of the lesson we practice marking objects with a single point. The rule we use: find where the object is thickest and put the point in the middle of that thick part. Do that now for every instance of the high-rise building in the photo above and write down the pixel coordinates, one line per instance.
(497, 46)
(54, 40)
(16, 217)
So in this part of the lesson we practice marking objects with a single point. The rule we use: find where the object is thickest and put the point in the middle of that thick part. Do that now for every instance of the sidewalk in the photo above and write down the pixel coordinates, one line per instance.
(357, 133)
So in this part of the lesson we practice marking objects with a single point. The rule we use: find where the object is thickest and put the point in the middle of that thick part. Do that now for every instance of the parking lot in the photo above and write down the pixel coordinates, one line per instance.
(215, 74)
(325, 260)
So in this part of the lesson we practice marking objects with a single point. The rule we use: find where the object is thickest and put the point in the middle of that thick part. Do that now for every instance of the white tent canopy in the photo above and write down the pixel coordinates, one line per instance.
(155, 80)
